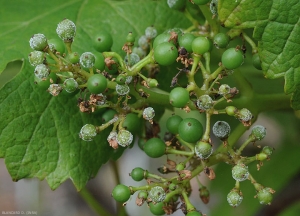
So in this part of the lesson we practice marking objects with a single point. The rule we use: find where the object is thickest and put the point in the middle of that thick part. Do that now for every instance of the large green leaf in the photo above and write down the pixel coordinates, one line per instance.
(39, 133)
(276, 27)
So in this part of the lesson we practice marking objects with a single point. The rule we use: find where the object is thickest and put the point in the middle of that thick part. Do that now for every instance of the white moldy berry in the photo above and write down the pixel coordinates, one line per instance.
(66, 30)
(38, 42)
(55, 89)
(157, 194)
(235, 197)
(205, 102)
(258, 132)
(240, 172)
(87, 59)
(221, 129)
(244, 115)
(88, 132)
(148, 113)
(41, 71)
(124, 138)
(36, 57)
(122, 89)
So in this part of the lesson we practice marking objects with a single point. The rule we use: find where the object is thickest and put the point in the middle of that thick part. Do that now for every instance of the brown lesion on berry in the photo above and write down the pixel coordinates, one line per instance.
(109, 62)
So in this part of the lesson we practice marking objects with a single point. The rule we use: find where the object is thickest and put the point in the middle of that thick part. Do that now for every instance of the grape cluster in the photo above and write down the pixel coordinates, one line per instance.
(123, 87)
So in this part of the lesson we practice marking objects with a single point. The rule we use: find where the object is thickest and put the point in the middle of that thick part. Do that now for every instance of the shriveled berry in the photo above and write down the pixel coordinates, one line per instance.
(88, 132)
(54, 89)
(224, 89)
(66, 30)
(240, 172)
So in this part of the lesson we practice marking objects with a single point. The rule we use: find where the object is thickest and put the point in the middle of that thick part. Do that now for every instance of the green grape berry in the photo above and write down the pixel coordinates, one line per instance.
(231, 110)
(56, 45)
(157, 194)
(99, 61)
(97, 83)
(38, 42)
(45, 83)
(213, 6)
(179, 97)
(41, 71)
(155, 147)
(232, 58)
(201, 45)
(152, 83)
(70, 85)
(176, 4)
(203, 149)
(240, 172)
(121, 79)
(190, 130)
(161, 38)
(235, 197)
(108, 115)
(201, 2)
(150, 32)
(143, 195)
(172, 186)
(36, 57)
(185, 40)
(122, 89)
(88, 132)
(173, 123)
(180, 167)
(221, 40)
(66, 30)
(258, 132)
(124, 138)
(205, 102)
(132, 123)
(157, 208)
(103, 41)
(121, 193)
(265, 196)
(194, 213)
(130, 38)
(221, 129)
(148, 113)
(165, 53)
(256, 61)
(137, 174)
(87, 60)
(73, 57)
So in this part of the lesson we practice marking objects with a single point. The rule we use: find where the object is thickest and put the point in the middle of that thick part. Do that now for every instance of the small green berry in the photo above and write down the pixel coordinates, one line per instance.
(130, 38)
(173, 123)
(157, 208)
(180, 167)
(73, 57)
(56, 45)
(240, 172)
(172, 186)
(124, 138)
(256, 61)
(224, 89)
(66, 30)
(38, 42)
(103, 41)
(235, 197)
(268, 150)
(121, 79)
(157, 194)
(258, 132)
(137, 174)
(194, 213)
(221, 40)
(88, 132)
(265, 196)
(231, 110)
(152, 83)
(203, 149)
(155, 147)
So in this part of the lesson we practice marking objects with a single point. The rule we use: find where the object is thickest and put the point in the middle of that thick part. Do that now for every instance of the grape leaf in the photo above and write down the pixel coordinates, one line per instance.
(276, 27)
(39, 133)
